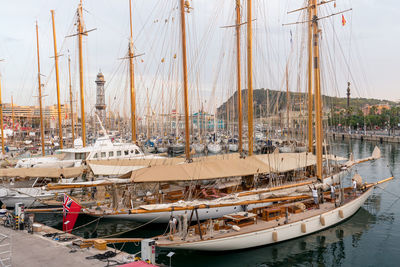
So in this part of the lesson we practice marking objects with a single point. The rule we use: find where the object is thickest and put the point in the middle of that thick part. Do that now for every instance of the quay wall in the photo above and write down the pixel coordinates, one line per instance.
(366, 137)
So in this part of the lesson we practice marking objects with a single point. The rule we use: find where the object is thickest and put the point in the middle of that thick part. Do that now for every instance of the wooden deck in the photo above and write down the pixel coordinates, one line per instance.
(257, 226)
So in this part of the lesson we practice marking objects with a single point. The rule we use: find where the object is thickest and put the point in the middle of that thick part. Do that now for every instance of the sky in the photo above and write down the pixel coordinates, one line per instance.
(365, 51)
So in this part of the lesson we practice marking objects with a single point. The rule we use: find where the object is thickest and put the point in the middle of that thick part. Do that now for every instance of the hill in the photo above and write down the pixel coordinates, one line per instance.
(266, 101)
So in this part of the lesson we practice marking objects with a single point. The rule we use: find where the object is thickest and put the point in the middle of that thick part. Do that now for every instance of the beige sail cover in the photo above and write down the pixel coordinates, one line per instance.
(41, 172)
(201, 170)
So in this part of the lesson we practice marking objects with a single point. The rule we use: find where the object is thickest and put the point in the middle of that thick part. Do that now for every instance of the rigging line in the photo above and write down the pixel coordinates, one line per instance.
(132, 229)
(86, 224)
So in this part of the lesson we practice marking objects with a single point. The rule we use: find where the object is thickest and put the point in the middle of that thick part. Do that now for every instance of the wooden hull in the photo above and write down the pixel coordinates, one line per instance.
(277, 234)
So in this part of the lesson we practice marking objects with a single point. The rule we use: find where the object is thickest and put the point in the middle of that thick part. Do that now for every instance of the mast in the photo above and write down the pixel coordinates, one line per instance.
(82, 91)
(162, 112)
(267, 111)
(12, 113)
(318, 100)
(147, 115)
(287, 97)
(250, 77)
(40, 90)
(185, 80)
(60, 132)
(2, 124)
(310, 85)
(239, 88)
(70, 101)
(132, 78)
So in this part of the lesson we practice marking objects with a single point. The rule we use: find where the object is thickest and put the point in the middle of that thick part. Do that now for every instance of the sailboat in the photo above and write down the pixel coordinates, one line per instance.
(287, 219)
(103, 148)
(152, 209)
(266, 225)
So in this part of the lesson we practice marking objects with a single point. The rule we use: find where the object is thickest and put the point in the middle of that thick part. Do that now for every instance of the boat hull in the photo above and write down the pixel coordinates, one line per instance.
(277, 234)
(164, 217)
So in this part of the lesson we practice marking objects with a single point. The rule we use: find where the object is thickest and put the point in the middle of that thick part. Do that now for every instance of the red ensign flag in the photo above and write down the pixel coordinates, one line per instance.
(343, 20)
(71, 210)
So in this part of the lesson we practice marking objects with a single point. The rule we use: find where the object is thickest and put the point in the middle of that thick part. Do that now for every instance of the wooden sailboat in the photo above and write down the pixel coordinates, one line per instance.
(283, 221)
(153, 211)
(248, 229)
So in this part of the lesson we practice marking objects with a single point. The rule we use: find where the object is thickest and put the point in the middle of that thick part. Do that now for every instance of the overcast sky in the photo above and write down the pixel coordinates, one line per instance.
(368, 46)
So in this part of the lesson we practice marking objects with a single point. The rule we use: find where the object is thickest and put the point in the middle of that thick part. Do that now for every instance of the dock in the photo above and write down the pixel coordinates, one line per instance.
(365, 137)
(35, 250)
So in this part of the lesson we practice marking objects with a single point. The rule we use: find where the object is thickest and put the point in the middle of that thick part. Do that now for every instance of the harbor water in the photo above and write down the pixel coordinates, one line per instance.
(370, 238)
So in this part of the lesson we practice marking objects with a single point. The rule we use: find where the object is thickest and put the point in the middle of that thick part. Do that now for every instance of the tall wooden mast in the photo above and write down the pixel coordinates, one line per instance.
(12, 114)
(131, 78)
(250, 77)
(60, 130)
(317, 85)
(185, 80)
(70, 101)
(310, 82)
(82, 90)
(287, 97)
(40, 90)
(239, 88)
(2, 124)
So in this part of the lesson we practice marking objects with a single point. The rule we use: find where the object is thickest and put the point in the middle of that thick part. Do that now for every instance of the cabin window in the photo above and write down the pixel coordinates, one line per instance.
(95, 155)
(131, 151)
(119, 153)
(126, 152)
(80, 156)
(137, 152)
(103, 154)
(111, 154)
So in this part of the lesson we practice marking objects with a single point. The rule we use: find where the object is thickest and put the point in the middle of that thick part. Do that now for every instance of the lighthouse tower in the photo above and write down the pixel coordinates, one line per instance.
(100, 97)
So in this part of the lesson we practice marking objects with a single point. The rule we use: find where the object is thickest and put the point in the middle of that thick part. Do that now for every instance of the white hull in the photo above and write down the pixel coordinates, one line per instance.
(27, 201)
(199, 148)
(162, 149)
(286, 149)
(164, 217)
(30, 197)
(233, 147)
(281, 233)
(214, 148)
(43, 162)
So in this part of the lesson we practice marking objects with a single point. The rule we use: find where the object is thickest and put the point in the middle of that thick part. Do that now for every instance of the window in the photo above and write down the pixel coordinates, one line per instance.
(126, 152)
(137, 152)
(95, 155)
(80, 156)
(103, 154)
(111, 154)
(131, 151)
(118, 153)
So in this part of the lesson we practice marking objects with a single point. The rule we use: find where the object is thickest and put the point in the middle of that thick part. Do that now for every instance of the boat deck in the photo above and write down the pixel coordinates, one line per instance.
(259, 225)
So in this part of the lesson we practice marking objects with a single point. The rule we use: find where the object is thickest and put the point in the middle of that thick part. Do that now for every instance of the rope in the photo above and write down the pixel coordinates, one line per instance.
(81, 226)
(132, 229)
(393, 194)
(394, 202)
